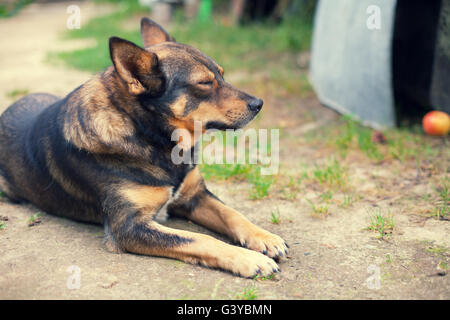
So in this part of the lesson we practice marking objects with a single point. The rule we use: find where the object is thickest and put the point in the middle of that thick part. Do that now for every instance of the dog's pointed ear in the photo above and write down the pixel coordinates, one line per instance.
(152, 33)
(137, 67)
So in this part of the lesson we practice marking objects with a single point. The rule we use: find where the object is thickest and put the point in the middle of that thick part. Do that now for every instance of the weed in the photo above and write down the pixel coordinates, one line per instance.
(332, 174)
(248, 293)
(348, 200)
(260, 278)
(34, 219)
(383, 224)
(388, 258)
(319, 211)
(251, 173)
(353, 133)
(442, 209)
(17, 93)
(291, 189)
(443, 267)
(404, 143)
(275, 216)
(327, 196)
(225, 171)
(437, 250)
(2, 225)
(261, 185)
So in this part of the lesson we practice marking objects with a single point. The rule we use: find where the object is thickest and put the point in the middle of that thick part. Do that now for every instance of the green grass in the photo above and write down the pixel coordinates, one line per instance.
(240, 172)
(17, 93)
(253, 44)
(266, 278)
(275, 216)
(251, 173)
(9, 10)
(443, 266)
(248, 293)
(327, 196)
(399, 144)
(261, 186)
(34, 219)
(442, 253)
(332, 174)
(262, 47)
(348, 200)
(388, 258)
(352, 134)
(442, 210)
(97, 58)
(437, 250)
(408, 143)
(381, 223)
(319, 211)
(290, 190)
(2, 225)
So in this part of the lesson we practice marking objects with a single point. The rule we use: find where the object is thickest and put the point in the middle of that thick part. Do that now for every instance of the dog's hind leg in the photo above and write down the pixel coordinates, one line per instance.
(7, 189)
(130, 213)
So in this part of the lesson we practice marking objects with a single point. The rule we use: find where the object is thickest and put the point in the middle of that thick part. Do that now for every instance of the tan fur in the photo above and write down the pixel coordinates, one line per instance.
(178, 106)
(210, 252)
(216, 216)
(110, 126)
(192, 184)
(146, 198)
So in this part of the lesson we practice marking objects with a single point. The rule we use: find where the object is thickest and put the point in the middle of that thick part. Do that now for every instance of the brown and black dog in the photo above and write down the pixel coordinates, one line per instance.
(102, 154)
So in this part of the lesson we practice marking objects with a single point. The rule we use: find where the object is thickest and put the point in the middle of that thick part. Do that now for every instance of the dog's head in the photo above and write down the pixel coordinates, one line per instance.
(180, 82)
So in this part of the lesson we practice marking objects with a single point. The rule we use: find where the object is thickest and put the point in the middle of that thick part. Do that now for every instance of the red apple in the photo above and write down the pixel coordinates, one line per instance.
(436, 123)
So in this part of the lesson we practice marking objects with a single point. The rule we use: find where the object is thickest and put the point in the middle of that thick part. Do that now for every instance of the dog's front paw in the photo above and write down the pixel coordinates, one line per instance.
(265, 242)
(249, 264)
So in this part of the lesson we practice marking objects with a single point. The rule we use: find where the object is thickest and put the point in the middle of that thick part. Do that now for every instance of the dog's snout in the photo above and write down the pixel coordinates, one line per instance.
(255, 105)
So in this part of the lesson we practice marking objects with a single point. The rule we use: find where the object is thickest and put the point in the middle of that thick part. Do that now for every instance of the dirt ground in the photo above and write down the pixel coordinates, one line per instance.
(330, 258)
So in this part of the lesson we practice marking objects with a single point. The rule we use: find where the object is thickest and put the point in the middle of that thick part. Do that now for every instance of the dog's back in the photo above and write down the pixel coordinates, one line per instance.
(32, 154)
(15, 123)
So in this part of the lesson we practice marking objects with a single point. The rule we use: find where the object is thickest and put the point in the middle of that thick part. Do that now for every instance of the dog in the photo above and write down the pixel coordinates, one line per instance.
(102, 155)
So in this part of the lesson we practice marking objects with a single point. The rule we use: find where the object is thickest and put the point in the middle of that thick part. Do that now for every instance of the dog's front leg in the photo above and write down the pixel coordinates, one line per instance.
(129, 227)
(199, 205)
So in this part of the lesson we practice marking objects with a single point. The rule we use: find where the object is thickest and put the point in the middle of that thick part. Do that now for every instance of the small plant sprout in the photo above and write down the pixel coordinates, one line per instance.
(383, 224)
(2, 225)
(388, 258)
(275, 216)
(261, 186)
(249, 293)
(442, 268)
(332, 174)
(34, 219)
(442, 210)
(260, 278)
(347, 201)
(319, 211)
(327, 196)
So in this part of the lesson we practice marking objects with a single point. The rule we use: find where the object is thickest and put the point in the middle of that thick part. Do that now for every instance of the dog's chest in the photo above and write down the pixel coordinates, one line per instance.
(175, 193)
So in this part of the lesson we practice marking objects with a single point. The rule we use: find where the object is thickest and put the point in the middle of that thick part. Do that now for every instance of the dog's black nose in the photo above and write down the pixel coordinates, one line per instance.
(255, 105)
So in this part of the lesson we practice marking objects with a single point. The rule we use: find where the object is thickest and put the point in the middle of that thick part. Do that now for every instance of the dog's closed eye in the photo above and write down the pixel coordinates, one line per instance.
(205, 83)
